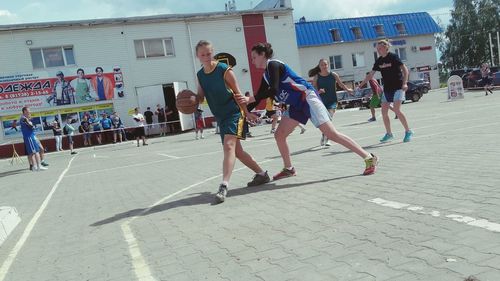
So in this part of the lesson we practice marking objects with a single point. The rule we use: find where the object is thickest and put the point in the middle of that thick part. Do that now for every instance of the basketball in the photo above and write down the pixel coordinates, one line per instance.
(187, 102)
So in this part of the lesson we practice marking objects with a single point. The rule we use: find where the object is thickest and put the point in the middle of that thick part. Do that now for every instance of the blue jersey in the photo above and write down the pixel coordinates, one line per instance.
(292, 89)
(27, 128)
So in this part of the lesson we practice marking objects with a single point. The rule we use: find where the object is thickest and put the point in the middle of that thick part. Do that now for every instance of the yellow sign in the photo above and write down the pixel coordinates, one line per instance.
(68, 110)
(104, 106)
(45, 113)
(131, 111)
(11, 117)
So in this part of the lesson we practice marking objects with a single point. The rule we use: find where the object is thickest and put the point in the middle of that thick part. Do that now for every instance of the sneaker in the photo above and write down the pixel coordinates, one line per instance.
(302, 130)
(372, 119)
(285, 173)
(44, 164)
(196, 137)
(371, 165)
(42, 168)
(259, 179)
(202, 137)
(387, 137)
(73, 152)
(221, 194)
(31, 167)
(144, 144)
(395, 117)
(328, 143)
(273, 131)
(323, 140)
(408, 135)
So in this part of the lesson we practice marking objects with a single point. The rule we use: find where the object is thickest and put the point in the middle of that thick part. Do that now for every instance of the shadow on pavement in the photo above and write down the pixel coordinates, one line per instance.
(13, 172)
(205, 198)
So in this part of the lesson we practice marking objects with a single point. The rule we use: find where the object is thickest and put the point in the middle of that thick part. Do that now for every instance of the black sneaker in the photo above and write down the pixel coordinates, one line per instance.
(259, 179)
(31, 167)
(73, 153)
(221, 194)
(44, 164)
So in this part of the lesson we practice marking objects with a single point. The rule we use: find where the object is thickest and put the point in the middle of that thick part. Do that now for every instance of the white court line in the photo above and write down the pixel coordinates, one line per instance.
(169, 156)
(481, 223)
(141, 268)
(27, 231)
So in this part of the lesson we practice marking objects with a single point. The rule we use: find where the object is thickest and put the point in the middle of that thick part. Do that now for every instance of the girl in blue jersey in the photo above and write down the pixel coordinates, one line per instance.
(282, 84)
(217, 83)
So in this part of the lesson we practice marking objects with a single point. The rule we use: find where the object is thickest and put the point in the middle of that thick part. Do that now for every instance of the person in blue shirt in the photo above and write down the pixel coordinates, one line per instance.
(106, 124)
(95, 122)
(217, 83)
(283, 85)
(31, 145)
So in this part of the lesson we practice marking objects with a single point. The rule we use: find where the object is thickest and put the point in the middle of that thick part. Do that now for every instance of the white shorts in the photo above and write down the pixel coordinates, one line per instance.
(319, 113)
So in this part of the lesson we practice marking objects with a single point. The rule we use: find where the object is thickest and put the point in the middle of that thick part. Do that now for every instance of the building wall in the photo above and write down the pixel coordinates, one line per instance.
(110, 45)
(309, 57)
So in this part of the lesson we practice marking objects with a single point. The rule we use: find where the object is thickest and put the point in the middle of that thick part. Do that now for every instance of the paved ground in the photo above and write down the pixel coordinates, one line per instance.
(126, 213)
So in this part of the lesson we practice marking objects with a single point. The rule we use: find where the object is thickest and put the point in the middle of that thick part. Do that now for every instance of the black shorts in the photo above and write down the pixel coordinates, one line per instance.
(139, 132)
(486, 81)
(270, 113)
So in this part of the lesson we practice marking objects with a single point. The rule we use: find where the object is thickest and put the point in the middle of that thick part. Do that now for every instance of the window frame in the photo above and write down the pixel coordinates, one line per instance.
(401, 28)
(397, 51)
(354, 59)
(333, 65)
(63, 54)
(358, 33)
(379, 30)
(164, 40)
(336, 35)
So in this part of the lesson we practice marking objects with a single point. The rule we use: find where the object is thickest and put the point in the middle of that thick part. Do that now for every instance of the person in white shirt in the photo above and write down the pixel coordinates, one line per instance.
(139, 126)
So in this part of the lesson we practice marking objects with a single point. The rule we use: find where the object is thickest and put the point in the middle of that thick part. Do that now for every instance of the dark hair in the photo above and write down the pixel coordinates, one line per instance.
(97, 68)
(314, 71)
(79, 69)
(202, 43)
(265, 48)
(24, 109)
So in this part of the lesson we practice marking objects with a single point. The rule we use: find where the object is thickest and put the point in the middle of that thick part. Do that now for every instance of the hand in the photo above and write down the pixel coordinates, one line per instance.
(252, 118)
(405, 87)
(350, 91)
(321, 91)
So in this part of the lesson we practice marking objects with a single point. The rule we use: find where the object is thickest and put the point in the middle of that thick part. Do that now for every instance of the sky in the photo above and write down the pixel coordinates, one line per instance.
(34, 11)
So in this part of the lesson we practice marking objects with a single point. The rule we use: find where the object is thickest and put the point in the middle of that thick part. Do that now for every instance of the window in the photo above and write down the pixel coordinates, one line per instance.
(150, 48)
(358, 59)
(358, 35)
(401, 52)
(379, 30)
(375, 56)
(401, 28)
(335, 62)
(336, 35)
(52, 57)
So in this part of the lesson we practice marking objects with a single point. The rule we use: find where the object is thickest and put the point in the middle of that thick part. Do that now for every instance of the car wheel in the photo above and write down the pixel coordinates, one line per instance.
(425, 90)
(356, 104)
(415, 97)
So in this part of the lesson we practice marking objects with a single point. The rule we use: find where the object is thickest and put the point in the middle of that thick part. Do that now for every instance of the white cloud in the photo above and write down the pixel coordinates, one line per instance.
(334, 9)
(6, 17)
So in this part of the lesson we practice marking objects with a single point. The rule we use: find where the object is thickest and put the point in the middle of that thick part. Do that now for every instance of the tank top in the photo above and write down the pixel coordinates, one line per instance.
(328, 83)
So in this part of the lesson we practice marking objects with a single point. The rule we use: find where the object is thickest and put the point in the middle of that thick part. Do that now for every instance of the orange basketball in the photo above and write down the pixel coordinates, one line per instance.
(187, 102)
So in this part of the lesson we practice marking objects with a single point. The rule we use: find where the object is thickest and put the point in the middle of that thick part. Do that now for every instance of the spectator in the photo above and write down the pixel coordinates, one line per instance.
(57, 130)
(139, 127)
(117, 127)
(85, 126)
(486, 81)
(95, 122)
(69, 130)
(198, 118)
(160, 112)
(106, 126)
(148, 114)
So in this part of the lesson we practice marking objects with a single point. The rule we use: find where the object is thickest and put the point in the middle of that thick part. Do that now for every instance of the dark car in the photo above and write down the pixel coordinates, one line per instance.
(414, 92)
(423, 85)
(360, 98)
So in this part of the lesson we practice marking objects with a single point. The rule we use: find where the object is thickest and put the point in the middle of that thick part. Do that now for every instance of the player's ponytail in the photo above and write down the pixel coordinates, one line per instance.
(263, 48)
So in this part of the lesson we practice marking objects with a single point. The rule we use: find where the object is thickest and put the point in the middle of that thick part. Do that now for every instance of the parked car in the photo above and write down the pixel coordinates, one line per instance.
(361, 98)
(414, 92)
(423, 85)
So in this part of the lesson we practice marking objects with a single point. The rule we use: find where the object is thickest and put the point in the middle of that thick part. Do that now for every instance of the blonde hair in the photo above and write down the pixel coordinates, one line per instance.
(202, 43)
(384, 42)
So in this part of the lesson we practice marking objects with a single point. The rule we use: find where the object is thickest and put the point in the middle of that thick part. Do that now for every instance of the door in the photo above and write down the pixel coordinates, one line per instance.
(150, 96)
(186, 120)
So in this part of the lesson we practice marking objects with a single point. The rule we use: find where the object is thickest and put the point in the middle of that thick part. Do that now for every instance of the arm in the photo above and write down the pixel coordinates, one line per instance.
(368, 77)
(269, 90)
(404, 69)
(340, 83)
(315, 84)
(201, 94)
(262, 93)
(230, 80)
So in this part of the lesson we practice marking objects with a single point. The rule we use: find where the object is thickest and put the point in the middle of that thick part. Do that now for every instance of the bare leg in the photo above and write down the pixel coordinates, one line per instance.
(385, 116)
(286, 126)
(331, 133)
(400, 115)
(246, 158)
(229, 156)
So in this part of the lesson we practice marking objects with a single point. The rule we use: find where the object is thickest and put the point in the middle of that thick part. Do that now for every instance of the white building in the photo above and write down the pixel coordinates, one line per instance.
(349, 44)
(155, 55)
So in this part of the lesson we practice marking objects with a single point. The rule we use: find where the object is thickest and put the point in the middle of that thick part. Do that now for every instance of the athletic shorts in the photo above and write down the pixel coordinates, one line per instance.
(232, 125)
(270, 113)
(70, 139)
(139, 132)
(199, 124)
(31, 145)
(375, 101)
(398, 95)
(332, 106)
(314, 110)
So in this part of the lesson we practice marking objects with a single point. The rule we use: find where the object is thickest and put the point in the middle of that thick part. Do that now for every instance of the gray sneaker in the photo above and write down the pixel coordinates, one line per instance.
(221, 194)
(259, 179)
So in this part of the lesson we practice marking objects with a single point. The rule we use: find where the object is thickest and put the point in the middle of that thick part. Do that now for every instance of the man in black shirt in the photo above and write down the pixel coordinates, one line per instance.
(148, 115)
(395, 78)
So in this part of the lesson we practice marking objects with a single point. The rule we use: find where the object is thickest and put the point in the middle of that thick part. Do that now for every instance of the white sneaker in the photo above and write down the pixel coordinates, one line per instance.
(202, 137)
(196, 137)
(327, 143)
(42, 168)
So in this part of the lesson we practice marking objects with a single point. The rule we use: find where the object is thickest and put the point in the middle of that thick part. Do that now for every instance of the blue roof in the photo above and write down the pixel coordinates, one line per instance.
(316, 33)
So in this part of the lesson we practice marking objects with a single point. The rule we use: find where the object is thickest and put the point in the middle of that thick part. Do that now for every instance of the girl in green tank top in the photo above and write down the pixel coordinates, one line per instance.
(325, 82)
